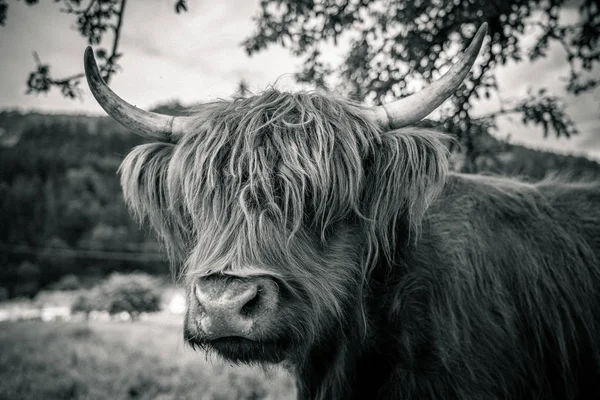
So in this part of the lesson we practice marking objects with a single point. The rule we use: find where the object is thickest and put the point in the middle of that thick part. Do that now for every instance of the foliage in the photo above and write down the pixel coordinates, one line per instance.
(397, 47)
(131, 293)
(59, 181)
(94, 20)
(67, 283)
(3, 293)
(3, 8)
(28, 279)
(88, 301)
(61, 205)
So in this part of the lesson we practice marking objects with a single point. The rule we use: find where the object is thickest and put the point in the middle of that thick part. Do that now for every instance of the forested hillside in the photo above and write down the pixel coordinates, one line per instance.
(61, 208)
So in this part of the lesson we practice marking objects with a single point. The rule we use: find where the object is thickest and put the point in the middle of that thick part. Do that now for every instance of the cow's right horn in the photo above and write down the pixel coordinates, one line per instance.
(417, 106)
(148, 124)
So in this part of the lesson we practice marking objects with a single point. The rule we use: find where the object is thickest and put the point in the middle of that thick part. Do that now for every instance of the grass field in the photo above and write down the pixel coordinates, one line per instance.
(122, 360)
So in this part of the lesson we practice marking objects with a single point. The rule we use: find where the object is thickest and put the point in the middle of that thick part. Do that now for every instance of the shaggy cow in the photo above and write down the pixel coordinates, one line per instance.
(331, 238)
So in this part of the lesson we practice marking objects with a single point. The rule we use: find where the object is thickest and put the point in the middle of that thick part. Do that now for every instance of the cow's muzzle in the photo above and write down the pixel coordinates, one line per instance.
(223, 306)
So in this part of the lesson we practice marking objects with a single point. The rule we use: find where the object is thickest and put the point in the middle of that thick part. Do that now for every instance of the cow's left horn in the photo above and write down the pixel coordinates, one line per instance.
(145, 123)
(417, 106)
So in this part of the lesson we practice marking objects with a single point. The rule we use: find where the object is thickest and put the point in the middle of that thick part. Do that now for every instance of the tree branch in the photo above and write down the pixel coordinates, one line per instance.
(93, 21)
(113, 56)
(498, 113)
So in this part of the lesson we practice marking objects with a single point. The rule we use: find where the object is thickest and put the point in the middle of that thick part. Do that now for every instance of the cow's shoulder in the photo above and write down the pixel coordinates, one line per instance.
(504, 223)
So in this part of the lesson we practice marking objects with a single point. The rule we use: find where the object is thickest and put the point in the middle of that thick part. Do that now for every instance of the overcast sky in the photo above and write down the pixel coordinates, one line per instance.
(196, 56)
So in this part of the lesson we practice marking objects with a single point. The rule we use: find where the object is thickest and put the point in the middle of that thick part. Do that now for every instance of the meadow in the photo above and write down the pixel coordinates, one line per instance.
(122, 360)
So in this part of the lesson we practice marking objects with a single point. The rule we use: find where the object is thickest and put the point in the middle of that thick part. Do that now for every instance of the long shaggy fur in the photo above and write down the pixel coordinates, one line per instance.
(404, 281)
(507, 274)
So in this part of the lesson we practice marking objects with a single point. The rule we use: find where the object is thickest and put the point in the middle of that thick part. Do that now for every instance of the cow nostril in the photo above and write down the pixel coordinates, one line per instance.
(251, 305)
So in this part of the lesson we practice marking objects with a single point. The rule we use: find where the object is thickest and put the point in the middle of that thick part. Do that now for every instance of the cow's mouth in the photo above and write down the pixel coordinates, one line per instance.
(243, 350)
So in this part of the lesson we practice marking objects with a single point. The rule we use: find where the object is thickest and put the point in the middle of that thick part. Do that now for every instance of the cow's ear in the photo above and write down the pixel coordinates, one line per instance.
(403, 176)
(144, 182)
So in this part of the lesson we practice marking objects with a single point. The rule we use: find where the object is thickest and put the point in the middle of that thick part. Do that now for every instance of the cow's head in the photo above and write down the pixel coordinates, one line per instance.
(274, 208)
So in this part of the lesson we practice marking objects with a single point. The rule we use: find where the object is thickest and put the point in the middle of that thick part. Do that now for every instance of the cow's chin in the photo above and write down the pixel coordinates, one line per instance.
(242, 350)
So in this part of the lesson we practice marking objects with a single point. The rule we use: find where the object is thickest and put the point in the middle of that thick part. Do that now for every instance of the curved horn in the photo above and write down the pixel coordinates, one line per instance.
(145, 123)
(417, 106)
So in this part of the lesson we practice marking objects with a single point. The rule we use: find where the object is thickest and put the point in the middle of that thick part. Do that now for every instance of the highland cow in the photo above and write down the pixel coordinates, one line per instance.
(331, 238)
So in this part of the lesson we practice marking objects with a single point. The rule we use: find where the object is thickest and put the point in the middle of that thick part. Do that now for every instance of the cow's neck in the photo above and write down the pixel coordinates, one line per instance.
(342, 370)
(345, 365)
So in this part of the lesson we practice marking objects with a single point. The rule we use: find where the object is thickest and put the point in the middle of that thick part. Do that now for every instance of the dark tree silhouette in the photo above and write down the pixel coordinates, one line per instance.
(398, 46)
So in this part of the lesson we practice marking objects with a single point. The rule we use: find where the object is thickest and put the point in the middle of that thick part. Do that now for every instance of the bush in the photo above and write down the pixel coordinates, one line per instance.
(130, 293)
(89, 301)
(67, 282)
(28, 280)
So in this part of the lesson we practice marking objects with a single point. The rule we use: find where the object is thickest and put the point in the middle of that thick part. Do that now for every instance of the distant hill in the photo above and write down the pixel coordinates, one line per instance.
(14, 123)
(531, 164)
(61, 207)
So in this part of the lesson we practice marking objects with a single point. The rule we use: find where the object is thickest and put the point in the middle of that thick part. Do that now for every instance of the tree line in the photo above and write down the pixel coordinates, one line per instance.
(62, 211)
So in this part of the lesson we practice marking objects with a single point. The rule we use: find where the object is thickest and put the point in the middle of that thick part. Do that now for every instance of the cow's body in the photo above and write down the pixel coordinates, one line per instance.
(498, 299)
(330, 237)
